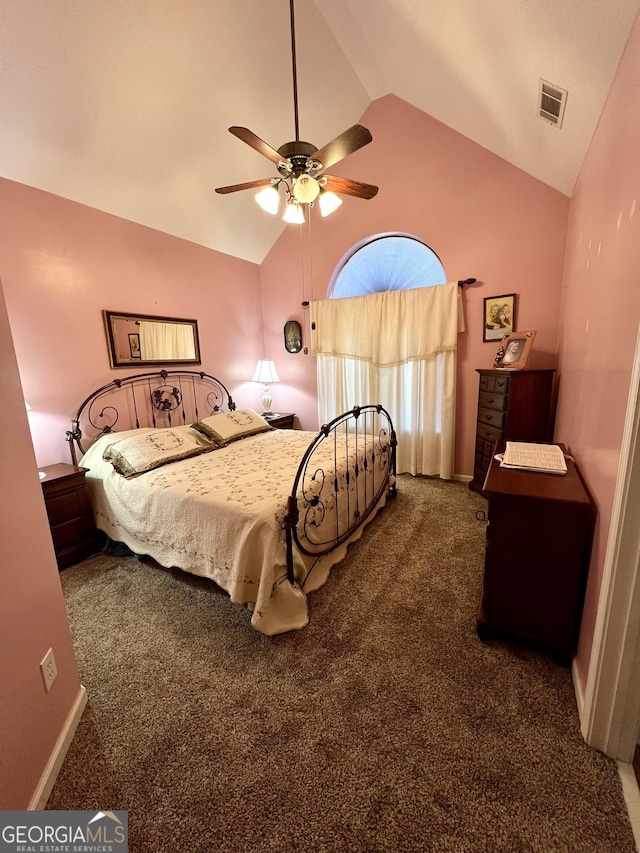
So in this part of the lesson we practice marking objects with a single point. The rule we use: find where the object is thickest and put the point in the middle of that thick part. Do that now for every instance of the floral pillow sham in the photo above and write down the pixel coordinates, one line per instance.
(139, 453)
(225, 427)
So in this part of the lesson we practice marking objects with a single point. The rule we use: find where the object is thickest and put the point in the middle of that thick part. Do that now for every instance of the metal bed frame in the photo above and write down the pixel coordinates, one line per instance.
(179, 397)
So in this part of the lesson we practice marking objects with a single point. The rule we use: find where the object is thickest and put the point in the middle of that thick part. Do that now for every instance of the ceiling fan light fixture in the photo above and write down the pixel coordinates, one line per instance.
(306, 189)
(294, 213)
(269, 199)
(301, 165)
(329, 202)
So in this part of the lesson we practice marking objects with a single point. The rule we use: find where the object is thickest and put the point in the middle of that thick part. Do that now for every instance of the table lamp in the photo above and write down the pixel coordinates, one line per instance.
(266, 373)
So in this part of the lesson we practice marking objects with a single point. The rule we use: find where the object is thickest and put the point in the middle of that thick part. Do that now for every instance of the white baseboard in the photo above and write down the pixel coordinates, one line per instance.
(462, 478)
(577, 687)
(631, 797)
(48, 778)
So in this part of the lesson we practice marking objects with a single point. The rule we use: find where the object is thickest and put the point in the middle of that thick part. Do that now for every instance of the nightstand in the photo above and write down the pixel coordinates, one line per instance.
(283, 420)
(70, 516)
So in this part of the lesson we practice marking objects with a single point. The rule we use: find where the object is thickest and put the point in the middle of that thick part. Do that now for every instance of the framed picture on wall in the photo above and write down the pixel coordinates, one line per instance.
(499, 316)
(134, 345)
(292, 336)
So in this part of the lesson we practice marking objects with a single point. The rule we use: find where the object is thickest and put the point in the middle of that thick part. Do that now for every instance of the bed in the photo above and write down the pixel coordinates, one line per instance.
(177, 473)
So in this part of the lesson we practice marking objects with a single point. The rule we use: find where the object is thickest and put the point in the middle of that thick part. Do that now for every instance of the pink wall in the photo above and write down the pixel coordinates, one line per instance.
(32, 610)
(485, 218)
(601, 308)
(62, 263)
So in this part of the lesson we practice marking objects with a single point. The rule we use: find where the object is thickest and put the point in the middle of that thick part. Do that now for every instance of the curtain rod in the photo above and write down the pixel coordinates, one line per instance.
(461, 283)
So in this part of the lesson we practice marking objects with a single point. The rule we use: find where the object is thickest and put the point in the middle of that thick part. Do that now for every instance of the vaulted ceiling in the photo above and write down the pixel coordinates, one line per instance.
(124, 105)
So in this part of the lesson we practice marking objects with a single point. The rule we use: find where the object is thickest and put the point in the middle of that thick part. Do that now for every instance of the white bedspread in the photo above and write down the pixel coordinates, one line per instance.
(220, 515)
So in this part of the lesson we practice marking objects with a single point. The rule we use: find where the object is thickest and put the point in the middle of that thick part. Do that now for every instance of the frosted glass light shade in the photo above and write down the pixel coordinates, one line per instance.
(328, 202)
(306, 189)
(294, 214)
(269, 199)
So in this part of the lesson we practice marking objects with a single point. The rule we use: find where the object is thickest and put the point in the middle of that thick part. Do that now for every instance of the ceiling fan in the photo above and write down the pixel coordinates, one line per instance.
(302, 166)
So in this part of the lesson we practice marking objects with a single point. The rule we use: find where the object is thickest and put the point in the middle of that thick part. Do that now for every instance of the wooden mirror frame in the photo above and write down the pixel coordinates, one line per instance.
(123, 341)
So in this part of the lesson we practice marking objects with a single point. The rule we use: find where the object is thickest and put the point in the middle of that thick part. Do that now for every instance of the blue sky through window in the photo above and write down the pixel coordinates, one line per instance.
(386, 262)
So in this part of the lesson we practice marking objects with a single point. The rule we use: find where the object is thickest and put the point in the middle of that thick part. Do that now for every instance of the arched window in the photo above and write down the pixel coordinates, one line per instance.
(386, 262)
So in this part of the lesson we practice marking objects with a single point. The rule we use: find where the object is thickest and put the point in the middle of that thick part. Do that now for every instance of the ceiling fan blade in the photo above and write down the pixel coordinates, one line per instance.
(340, 147)
(251, 185)
(348, 187)
(256, 143)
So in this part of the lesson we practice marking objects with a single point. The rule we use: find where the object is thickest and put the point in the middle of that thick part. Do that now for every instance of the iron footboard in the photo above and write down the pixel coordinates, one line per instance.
(340, 481)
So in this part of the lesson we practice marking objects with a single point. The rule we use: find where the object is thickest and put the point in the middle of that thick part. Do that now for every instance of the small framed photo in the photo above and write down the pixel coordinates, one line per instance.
(499, 316)
(134, 345)
(292, 336)
(514, 350)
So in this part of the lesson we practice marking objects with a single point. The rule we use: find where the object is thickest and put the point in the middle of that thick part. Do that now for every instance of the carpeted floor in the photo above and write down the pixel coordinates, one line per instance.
(385, 725)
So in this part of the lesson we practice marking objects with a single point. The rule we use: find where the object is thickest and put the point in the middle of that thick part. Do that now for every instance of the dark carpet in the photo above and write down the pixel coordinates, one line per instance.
(385, 725)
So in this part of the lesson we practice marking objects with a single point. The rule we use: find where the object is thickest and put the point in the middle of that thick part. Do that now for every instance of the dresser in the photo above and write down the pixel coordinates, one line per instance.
(537, 556)
(69, 511)
(514, 405)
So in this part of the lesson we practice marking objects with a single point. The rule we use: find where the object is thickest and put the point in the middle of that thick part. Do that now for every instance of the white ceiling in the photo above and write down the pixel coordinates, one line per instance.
(124, 105)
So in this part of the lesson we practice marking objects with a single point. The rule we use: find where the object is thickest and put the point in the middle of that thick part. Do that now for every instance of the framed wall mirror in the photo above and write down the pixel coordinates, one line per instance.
(136, 339)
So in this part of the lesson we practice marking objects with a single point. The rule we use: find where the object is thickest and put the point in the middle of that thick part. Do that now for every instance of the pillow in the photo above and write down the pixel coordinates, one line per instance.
(226, 427)
(199, 437)
(139, 453)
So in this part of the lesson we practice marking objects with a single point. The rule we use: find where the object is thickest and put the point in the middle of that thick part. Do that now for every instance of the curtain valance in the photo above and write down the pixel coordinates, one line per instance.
(389, 328)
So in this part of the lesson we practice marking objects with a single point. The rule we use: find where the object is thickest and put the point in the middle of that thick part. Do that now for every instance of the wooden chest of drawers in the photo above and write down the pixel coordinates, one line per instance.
(537, 557)
(70, 516)
(517, 406)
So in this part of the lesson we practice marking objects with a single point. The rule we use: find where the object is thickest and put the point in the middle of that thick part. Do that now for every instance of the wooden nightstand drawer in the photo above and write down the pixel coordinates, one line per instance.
(68, 534)
(64, 507)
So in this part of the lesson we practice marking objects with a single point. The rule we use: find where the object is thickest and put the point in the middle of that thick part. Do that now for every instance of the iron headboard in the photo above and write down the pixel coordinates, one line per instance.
(161, 399)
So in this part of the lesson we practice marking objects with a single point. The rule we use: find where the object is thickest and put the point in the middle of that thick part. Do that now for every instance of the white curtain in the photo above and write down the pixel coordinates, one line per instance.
(397, 348)
(161, 341)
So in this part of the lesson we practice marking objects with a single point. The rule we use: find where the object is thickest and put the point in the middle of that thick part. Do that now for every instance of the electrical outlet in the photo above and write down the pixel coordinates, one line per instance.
(48, 670)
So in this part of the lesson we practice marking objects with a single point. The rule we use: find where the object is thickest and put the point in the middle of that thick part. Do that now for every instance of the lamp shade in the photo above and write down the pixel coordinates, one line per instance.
(265, 372)
(329, 202)
(294, 213)
(306, 189)
(269, 199)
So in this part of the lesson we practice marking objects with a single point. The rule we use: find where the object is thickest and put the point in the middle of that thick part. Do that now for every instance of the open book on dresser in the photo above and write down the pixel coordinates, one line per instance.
(528, 456)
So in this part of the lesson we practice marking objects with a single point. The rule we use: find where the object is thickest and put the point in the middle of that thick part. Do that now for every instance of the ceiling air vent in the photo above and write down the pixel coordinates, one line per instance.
(551, 103)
